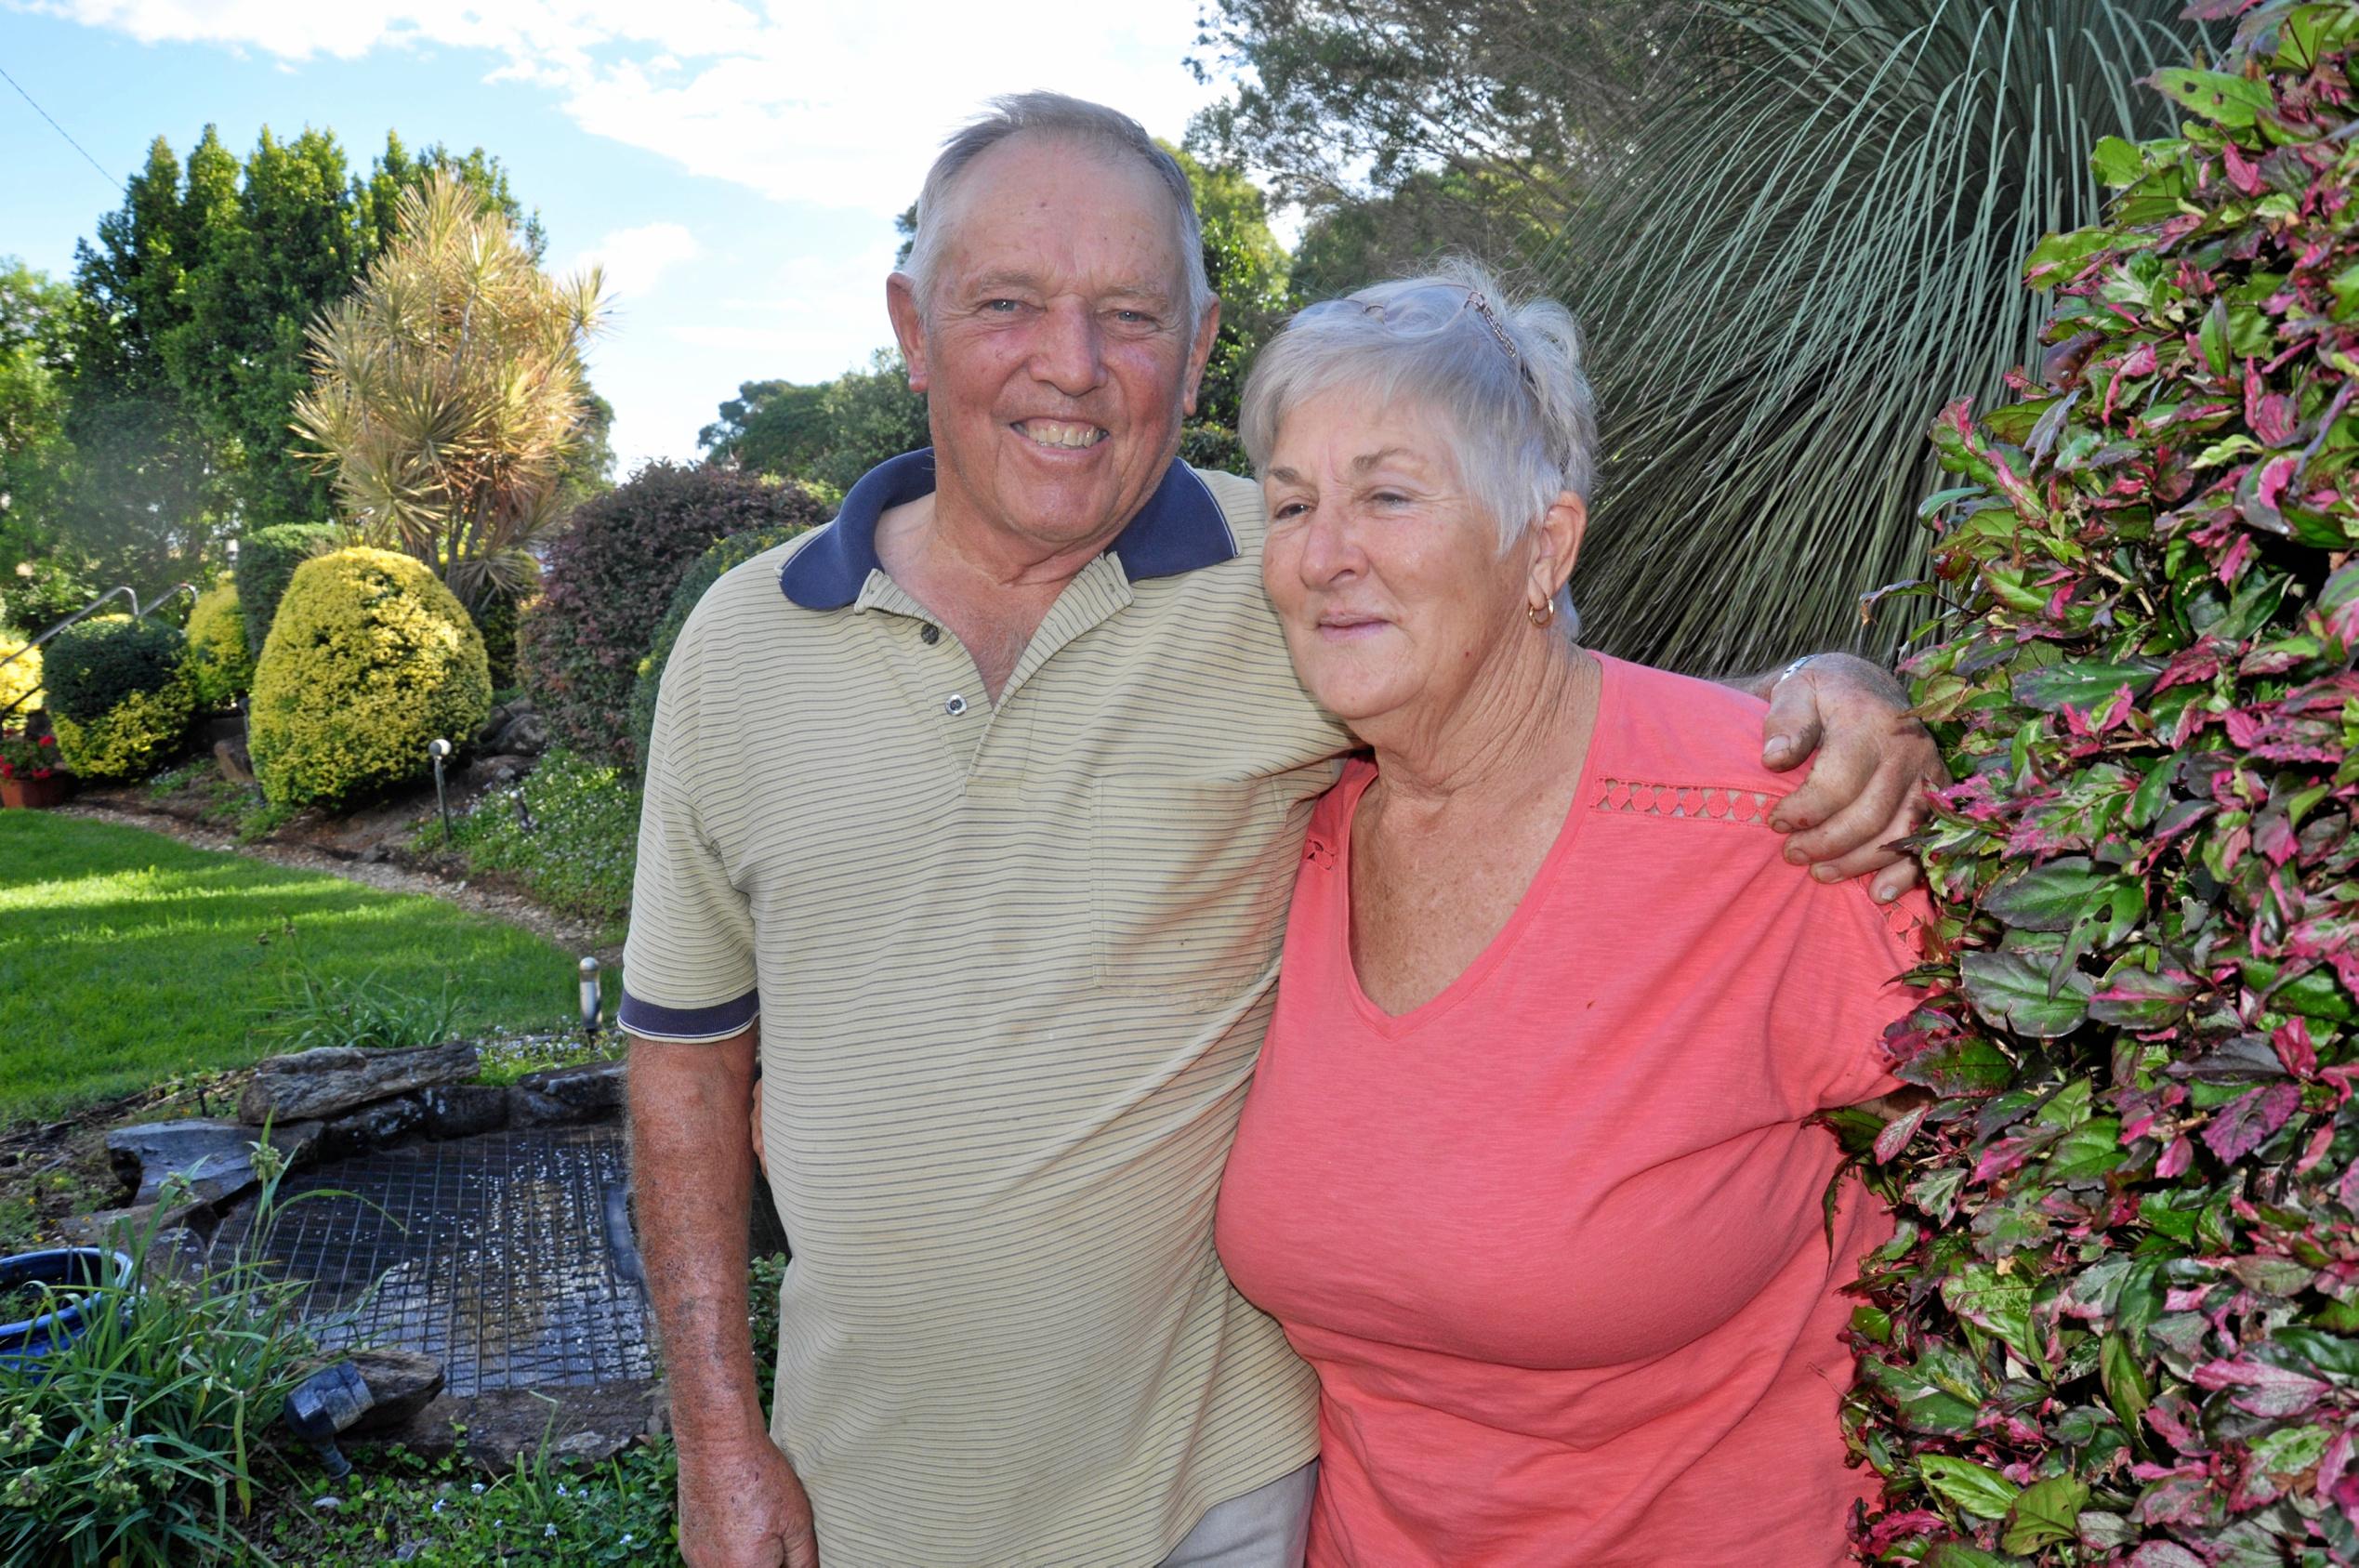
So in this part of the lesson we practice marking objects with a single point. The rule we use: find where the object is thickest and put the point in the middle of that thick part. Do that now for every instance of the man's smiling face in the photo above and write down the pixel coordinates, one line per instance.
(1058, 351)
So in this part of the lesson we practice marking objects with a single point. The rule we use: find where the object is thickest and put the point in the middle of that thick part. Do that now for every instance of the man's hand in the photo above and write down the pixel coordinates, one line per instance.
(744, 1508)
(1867, 788)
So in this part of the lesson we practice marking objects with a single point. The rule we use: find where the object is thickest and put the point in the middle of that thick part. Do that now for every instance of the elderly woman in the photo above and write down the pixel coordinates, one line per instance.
(1528, 1171)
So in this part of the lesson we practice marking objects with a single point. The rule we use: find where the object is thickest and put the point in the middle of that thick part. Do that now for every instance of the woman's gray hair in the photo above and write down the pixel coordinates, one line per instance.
(1109, 131)
(1506, 376)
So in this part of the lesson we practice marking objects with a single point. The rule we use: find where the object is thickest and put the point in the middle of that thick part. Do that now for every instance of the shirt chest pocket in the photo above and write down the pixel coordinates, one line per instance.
(1190, 882)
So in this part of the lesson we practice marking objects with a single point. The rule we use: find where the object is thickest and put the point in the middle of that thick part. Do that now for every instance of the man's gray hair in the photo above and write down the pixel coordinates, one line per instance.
(1506, 377)
(1107, 130)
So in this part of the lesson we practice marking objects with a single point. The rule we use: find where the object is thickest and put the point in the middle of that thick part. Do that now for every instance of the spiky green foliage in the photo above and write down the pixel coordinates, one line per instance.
(1810, 244)
(2120, 1320)
(448, 396)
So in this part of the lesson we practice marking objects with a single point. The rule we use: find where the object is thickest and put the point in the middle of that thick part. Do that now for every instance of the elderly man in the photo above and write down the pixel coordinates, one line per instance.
(988, 798)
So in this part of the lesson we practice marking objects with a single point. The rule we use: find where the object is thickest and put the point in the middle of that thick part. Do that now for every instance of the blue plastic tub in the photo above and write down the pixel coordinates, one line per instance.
(36, 1338)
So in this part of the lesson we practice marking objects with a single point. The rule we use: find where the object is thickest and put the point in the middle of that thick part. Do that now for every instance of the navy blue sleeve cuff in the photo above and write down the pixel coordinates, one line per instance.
(688, 1025)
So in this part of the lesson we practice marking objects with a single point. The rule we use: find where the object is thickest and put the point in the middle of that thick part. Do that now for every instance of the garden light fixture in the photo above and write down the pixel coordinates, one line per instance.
(590, 998)
(439, 751)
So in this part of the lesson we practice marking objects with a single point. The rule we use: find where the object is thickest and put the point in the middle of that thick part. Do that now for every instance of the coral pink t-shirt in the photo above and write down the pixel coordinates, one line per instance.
(1555, 1240)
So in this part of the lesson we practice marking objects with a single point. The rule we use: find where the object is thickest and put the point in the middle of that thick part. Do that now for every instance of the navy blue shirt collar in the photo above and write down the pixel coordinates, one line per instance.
(1180, 529)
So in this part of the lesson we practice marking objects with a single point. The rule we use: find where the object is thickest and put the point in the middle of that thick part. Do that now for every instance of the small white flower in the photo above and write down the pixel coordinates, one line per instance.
(548, 1531)
(477, 1489)
(327, 1503)
(627, 1537)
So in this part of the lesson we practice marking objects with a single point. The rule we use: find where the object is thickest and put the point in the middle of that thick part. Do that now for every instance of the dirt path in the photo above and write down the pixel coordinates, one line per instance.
(575, 936)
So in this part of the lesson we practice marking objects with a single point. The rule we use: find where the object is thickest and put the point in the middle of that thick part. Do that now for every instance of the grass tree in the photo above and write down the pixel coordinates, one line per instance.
(448, 394)
(1812, 244)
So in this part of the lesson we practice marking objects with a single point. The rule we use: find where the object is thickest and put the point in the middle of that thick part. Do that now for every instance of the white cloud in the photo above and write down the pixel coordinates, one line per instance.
(632, 259)
(841, 105)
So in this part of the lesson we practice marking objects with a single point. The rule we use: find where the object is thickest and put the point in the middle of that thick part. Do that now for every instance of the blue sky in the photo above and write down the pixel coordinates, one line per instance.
(734, 166)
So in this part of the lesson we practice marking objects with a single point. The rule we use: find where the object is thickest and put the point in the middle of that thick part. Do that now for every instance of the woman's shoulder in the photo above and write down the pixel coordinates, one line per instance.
(1664, 728)
(1333, 809)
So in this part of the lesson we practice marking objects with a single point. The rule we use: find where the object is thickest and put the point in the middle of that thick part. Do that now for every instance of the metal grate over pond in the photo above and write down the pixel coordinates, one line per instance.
(506, 1256)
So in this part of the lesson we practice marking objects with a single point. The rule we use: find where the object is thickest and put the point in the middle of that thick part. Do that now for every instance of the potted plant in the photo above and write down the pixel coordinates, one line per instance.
(29, 772)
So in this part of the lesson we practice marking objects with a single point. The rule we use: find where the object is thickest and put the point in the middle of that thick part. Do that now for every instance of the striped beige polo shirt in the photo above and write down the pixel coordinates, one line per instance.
(1013, 964)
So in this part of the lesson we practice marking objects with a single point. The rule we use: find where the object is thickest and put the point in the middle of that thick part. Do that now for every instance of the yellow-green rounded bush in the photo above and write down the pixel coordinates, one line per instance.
(368, 659)
(220, 666)
(19, 678)
(132, 739)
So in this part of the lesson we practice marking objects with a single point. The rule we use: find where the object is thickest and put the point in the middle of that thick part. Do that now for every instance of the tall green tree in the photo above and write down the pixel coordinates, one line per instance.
(146, 504)
(769, 428)
(290, 241)
(1341, 100)
(35, 458)
(871, 415)
(1246, 268)
(187, 348)
(1349, 243)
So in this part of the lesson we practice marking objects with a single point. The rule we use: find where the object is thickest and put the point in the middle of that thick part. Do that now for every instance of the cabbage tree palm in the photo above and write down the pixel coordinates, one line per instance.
(1812, 245)
(448, 393)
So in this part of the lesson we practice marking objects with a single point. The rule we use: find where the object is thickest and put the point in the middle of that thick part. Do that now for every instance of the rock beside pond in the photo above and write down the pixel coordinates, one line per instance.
(333, 1079)
(373, 1125)
(463, 1109)
(591, 1088)
(588, 1423)
(529, 1108)
(217, 1157)
(402, 1383)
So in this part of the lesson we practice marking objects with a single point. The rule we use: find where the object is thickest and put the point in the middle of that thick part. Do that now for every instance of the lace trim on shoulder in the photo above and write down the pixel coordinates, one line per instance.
(1687, 802)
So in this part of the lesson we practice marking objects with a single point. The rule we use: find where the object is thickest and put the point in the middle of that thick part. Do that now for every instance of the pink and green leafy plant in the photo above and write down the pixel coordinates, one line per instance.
(2119, 1322)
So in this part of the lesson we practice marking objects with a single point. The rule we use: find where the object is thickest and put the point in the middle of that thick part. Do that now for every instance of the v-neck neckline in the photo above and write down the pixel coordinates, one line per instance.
(1471, 979)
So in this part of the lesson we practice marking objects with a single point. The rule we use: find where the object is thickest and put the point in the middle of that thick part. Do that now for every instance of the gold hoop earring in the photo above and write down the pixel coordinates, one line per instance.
(1542, 612)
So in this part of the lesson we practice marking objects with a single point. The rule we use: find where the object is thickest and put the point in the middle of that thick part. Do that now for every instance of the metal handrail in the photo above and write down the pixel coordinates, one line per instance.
(137, 613)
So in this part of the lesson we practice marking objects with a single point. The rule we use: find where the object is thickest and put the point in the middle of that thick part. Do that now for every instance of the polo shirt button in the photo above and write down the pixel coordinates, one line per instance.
(956, 706)
(929, 635)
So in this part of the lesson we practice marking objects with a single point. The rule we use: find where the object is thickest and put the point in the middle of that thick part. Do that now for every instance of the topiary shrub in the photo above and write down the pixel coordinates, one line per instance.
(608, 581)
(132, 739)
(220, 664)
(736, 550)
(266, 560)
(20, 680)
(94, 665)
(368, 660)
(2120, 1320)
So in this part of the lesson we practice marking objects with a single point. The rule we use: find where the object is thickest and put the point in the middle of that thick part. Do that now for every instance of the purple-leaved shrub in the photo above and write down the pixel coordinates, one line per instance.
(609, 578)
(2120, 1320)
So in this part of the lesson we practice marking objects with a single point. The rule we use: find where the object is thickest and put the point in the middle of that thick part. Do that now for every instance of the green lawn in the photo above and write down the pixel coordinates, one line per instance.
(126, 957)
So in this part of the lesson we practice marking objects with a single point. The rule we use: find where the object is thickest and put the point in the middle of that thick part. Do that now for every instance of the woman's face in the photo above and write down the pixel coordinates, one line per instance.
(1386, 572)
